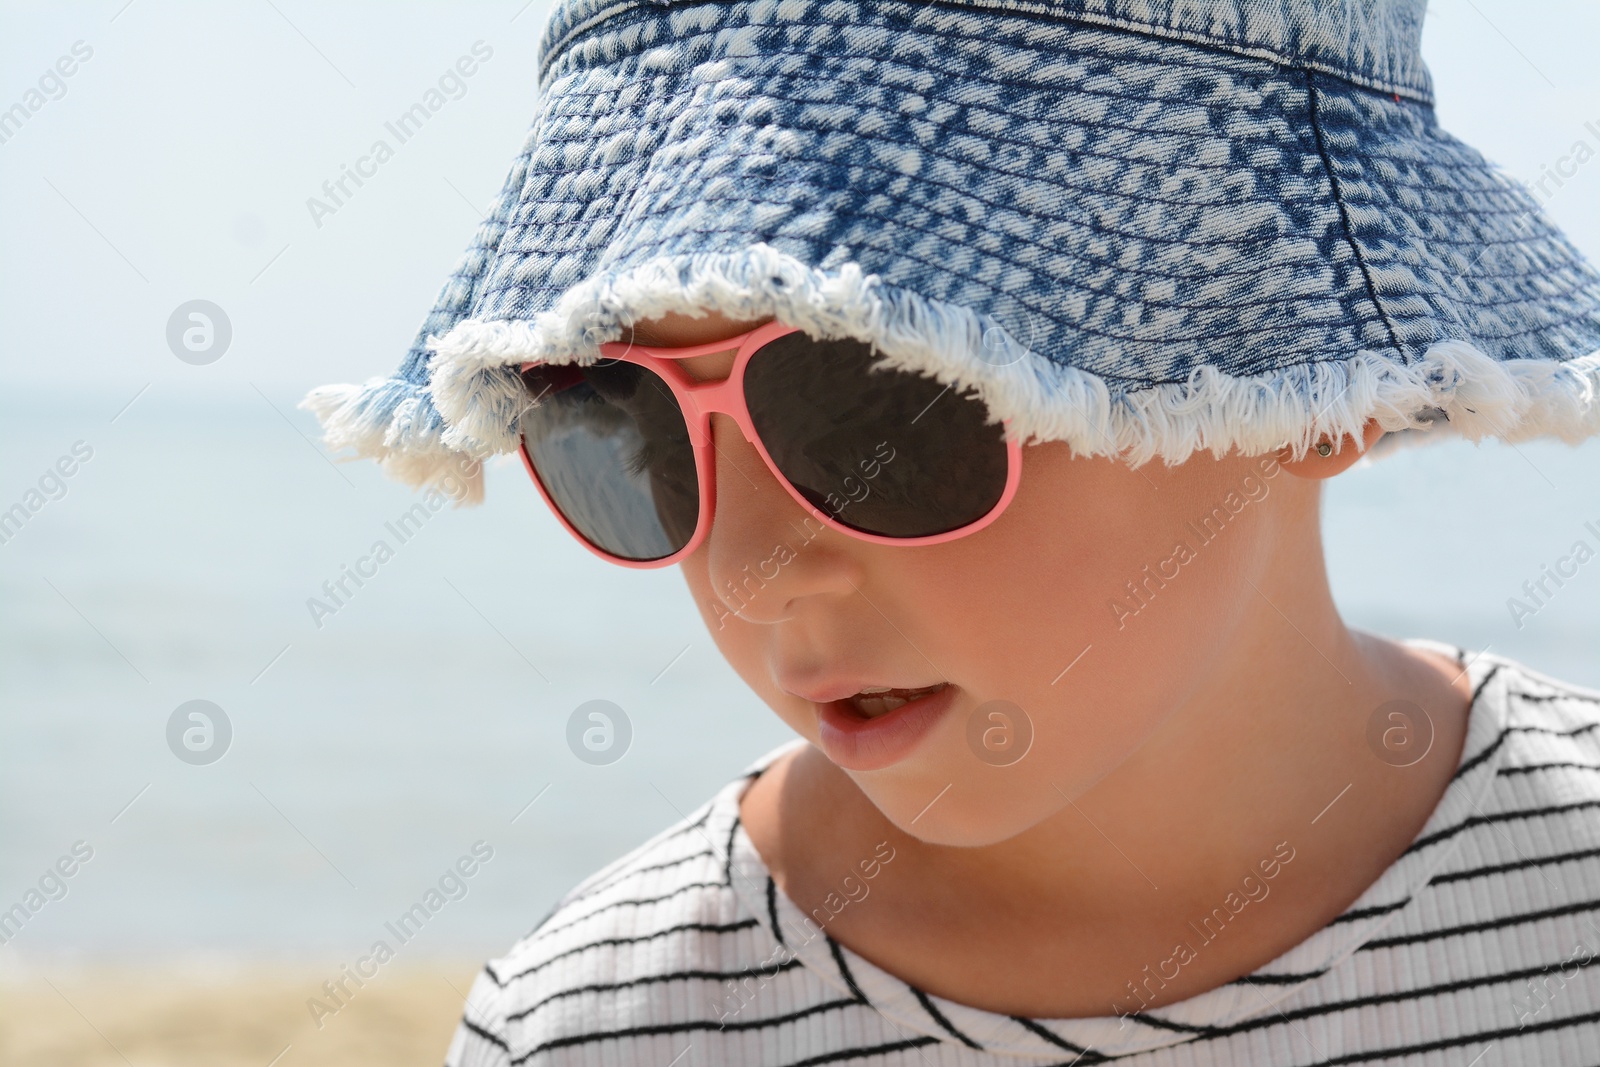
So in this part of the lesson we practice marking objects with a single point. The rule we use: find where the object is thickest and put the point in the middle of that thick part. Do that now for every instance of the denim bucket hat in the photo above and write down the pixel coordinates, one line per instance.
(1144, 227)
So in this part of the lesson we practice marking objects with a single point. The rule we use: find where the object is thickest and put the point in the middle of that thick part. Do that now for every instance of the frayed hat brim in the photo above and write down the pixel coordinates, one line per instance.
(475, 396)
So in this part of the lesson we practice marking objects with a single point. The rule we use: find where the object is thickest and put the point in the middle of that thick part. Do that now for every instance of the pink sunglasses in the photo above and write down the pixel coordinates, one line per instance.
(622, 451)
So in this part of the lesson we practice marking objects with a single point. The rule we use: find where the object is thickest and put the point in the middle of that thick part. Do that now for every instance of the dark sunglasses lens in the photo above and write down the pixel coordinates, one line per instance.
(612, 449)
(881, 451)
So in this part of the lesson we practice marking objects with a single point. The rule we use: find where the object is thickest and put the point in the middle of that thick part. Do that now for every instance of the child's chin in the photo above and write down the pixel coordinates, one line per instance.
(970, 814)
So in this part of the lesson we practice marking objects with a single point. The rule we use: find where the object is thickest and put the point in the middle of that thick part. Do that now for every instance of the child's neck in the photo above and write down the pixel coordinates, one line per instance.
(1266, 767)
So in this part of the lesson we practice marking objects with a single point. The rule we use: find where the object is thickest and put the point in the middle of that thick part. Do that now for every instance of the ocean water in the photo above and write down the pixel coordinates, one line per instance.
(422, 716)
(370, 754)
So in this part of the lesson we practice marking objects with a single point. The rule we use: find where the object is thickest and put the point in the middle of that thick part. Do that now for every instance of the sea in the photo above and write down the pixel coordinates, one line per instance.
(353, 758)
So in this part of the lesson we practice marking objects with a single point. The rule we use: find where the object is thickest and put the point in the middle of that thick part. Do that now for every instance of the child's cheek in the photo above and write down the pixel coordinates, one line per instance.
(741, 644)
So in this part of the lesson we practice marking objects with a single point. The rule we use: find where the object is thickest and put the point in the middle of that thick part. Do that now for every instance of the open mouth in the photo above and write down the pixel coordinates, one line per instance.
(874, 700)
(881, 725)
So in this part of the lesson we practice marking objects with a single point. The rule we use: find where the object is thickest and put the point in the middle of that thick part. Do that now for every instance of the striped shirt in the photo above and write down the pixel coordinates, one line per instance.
(1477, 946)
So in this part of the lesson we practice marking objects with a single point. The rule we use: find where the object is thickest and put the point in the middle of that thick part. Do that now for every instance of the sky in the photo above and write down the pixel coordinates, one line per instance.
(178, 163)
(175, 164)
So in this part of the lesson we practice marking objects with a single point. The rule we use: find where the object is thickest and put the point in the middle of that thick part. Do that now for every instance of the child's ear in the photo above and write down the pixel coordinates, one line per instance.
(1345, 453)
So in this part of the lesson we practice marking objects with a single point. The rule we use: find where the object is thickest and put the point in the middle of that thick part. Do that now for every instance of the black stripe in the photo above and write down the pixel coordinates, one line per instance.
(1298, 1014)
(1546, 697)
(1085, 1055)
(772, 909)
(1165, 1024)
(938, 1017)
(1425, 991)
(844, 969)
(1344, 211)
(616, 879)
(1500, 816)
(1529, 768)
(555, 910)
(680, 1028)
(866, 1050)
(617, 876)
(1478, 692)
(727, 863)
(633, 903)
(1493, 747)
(1502, 868)
(710, 928)
(655, 979)
(1357, 914)
(1279, 979)
(495, 978)
(688, 827)
(1473, 928)
(473, 1028)
(623, 876)
(1489, 1036)
(1574, 732)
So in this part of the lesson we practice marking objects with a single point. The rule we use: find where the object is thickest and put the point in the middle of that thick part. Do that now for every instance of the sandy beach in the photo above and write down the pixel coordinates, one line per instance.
(226, 1017)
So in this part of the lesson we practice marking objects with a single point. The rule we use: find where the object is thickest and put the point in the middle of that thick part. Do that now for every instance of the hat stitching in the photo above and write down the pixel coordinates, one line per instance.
(1344, 213)
(553, 49)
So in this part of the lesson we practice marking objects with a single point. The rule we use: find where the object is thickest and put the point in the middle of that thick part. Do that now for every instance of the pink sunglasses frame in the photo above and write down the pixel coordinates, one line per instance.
(699, 400)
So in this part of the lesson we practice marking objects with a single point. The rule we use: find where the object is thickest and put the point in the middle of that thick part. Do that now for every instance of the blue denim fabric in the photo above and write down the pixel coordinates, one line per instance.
(1134, 190)
(1370, 42)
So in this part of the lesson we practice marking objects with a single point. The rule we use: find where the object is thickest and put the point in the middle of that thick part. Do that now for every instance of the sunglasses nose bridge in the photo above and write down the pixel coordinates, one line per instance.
(702, 400)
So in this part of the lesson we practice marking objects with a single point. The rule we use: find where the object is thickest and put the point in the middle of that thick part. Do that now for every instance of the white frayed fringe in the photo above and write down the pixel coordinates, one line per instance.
(352, 419)
(475, 386)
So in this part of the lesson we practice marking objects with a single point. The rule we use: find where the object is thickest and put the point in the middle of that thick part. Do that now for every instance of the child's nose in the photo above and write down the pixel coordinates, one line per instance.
(769, 557)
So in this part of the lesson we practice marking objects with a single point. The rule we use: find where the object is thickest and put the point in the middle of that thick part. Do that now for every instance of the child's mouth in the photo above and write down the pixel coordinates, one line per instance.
(880, 700)
(881, 725)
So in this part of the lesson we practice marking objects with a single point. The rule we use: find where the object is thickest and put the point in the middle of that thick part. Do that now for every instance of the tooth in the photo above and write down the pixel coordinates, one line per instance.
(874, 690)
(873, 705)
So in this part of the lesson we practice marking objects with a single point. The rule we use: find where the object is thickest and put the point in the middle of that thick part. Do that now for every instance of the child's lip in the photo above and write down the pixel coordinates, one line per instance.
(844, 688)
(857, 743)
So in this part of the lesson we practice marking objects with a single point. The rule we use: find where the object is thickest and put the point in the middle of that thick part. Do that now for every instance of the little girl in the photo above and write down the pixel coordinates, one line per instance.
(872, 315)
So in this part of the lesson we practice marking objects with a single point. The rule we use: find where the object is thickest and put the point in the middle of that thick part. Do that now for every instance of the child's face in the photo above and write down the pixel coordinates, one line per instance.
(1018, 617)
